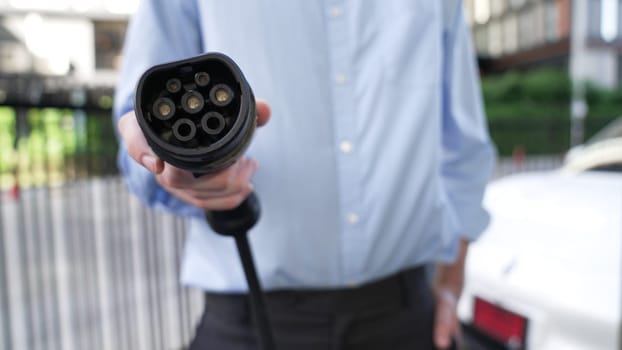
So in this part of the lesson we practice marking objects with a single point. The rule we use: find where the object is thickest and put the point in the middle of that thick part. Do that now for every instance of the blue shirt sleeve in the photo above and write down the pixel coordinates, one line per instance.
(468, 156)
(160, 31)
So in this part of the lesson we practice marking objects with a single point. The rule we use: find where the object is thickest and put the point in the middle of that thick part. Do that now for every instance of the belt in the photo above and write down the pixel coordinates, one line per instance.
(389, 293)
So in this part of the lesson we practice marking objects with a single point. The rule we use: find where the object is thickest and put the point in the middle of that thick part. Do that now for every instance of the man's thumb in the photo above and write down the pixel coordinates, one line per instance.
(152, 163)
(137, 146)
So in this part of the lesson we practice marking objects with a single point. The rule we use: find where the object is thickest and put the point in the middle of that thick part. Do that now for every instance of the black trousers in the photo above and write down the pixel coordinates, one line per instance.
(393, 313)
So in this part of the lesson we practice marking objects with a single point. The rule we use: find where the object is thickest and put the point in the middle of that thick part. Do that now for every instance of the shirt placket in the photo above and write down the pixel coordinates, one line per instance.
(352, 242)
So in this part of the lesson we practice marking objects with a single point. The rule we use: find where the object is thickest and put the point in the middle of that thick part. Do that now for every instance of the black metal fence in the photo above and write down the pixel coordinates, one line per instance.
(540, 136)
(83, 265)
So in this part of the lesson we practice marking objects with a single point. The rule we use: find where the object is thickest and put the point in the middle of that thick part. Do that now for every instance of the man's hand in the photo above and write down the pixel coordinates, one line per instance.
(222, 190)
(447, 288)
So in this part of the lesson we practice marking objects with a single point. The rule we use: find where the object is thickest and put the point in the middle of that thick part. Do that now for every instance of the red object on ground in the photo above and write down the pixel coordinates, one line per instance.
(14, 191)
(518, 156)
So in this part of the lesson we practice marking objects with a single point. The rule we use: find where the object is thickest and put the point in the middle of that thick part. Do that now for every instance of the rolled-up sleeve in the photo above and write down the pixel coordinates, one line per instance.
(160, 31)
(468, 155)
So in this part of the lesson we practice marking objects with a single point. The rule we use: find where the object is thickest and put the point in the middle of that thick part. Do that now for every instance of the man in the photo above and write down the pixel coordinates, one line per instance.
(373, 165)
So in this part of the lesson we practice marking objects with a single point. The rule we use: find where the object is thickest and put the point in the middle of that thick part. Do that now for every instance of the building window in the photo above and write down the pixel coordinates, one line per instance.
(609, 20)
(564, 17)
(593, 18)
(517, 3)
(481, 40)
(526, 29)
(481, 11)
(109, 37)
(510, 34)
(495, 38)
(604, 19)
(551, 21)
(539, 37)
(468, 12)
(497, 7)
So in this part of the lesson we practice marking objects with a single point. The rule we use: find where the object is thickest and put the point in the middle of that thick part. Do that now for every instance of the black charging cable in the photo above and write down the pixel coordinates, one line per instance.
(199, 114)
(236, 223)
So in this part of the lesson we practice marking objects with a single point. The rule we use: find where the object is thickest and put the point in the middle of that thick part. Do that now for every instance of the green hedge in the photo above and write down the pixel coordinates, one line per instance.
(543, 93)
(543, 86)
(532, 110)
(546, 136)
(603, 103)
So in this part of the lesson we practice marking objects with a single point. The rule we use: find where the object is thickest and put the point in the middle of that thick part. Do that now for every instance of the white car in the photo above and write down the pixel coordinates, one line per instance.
(547, 273)
(603, 151)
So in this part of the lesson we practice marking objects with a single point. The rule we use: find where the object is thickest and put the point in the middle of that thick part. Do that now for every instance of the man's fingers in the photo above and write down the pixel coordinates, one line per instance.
(137, 146)
(443, 326)
(229, 183)
(173, 177)
(263, 112)
(222, 191)
(445, 321)
(230, 179)
(225, 203)
(212, 203)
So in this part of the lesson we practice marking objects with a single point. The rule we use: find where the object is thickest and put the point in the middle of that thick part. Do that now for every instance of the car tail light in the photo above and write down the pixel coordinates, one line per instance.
(503, 325)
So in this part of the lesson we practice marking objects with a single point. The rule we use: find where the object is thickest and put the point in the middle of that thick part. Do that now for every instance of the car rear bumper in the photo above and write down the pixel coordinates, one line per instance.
(473, 339)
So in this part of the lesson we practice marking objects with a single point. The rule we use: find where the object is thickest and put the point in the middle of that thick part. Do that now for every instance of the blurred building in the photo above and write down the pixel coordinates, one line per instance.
(84, 37)
(583, 35)
(58, 53)
(78, 37)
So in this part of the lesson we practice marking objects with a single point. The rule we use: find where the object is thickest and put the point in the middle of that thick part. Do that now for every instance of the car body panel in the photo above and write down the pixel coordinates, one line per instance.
(601, 154)
(603, 150)
(553, 253)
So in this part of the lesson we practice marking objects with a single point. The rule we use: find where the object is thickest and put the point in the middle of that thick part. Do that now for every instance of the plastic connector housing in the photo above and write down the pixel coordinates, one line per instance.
(197, 147)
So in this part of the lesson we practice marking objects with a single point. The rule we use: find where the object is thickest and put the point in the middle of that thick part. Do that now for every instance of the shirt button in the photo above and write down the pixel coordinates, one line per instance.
(345, 147)
(352, 218)
(341, 78)
(335, 11)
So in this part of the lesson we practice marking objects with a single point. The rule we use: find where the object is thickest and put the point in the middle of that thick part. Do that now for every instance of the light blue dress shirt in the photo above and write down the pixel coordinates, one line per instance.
(377, 153)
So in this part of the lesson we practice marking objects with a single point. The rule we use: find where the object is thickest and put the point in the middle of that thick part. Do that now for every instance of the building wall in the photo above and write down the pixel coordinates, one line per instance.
(583, 35)
(506, 27)
(57, 37)
(591, 58)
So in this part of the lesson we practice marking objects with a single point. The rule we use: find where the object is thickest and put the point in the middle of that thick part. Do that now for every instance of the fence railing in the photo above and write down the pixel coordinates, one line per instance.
(83, 265)
(541, 136)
